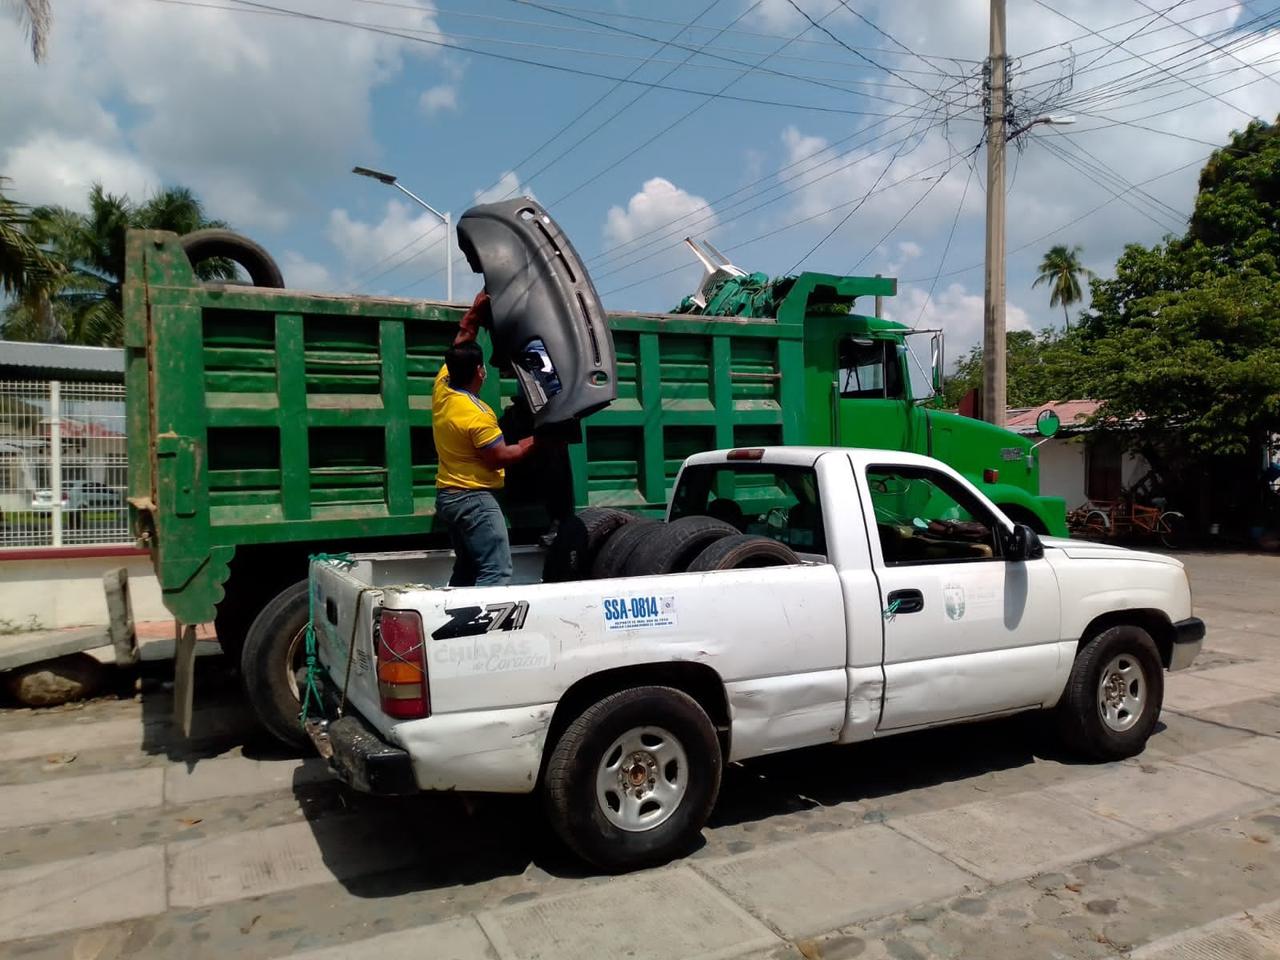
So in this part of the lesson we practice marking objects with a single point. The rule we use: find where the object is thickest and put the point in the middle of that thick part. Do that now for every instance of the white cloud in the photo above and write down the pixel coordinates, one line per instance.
(52, 168)
(443, 96)
(658, 203)
(908, 250)
(304, 274)
(251, 122)
(953, 309)
(777, 16)
(402, 232)
(507, 187)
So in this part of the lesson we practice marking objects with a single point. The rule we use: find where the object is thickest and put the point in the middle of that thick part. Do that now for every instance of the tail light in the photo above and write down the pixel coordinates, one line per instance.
(402, 665)
(990, 476)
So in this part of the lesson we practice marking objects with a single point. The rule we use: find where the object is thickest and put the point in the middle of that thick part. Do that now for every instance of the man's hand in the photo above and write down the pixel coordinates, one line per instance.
(502, 454)
(479, 315)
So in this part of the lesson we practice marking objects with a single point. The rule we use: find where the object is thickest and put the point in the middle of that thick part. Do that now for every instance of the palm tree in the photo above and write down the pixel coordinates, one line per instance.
(27, 273)
(36, 16)
(86, 300)
(1061, 269)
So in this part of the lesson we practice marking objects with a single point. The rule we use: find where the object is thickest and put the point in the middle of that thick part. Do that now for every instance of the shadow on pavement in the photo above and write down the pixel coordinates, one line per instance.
(445, 840)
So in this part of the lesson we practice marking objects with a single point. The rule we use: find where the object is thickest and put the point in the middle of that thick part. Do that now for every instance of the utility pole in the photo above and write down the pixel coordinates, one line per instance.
(993, 339)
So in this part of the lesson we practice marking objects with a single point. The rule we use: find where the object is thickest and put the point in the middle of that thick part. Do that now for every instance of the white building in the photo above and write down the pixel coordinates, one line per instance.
(1077, 464)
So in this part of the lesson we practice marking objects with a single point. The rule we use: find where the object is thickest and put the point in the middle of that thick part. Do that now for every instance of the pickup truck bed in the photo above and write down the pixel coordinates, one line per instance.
(916, 604)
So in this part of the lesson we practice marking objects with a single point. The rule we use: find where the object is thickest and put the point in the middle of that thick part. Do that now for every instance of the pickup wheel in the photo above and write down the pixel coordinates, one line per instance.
(632, 780)
(274, 650)
(578, 541)
(675, 545)
(1114, 695)
(611, 561)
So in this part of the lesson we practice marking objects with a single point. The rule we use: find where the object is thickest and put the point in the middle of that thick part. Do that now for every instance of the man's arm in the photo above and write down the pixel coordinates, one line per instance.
(501, 454)
(480, 314)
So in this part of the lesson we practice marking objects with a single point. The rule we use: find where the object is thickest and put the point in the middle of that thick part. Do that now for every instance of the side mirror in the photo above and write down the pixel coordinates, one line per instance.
(1023, 544)
(937, 363)
(1048, 424)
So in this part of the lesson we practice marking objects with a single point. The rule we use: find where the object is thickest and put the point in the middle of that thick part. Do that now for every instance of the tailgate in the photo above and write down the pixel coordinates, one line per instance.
(343, 601)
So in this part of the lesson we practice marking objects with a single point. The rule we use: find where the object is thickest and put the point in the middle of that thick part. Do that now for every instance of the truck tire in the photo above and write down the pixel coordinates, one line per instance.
(672, 548)
(612, 558)
(743, 550)
(578, 541)
(1113, 697)
(632, 780)
(201, 245)
(273, 654)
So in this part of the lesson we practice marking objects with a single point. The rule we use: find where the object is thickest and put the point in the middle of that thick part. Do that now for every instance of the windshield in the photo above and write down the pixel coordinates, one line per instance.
(771, 500)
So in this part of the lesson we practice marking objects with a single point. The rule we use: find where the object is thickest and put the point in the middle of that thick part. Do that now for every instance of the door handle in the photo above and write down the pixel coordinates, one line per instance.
(905, 601)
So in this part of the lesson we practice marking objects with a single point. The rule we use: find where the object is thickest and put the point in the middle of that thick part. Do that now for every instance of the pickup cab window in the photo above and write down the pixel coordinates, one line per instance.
(924, 516)
(770, 500)
(870, 369)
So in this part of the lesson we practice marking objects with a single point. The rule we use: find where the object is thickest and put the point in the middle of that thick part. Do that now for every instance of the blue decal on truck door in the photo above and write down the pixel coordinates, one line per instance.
(639, 611)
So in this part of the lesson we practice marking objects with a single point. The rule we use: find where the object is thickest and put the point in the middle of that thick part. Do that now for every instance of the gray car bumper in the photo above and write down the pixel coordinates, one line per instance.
(1188, 638)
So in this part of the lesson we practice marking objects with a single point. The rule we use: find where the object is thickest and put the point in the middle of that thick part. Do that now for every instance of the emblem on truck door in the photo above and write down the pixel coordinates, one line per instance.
(471, 621)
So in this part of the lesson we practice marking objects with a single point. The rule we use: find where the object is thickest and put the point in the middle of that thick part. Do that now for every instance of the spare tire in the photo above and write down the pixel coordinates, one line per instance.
(201, 245)
(674, 547)
(578, 541)
(612, 558)
(741, 551)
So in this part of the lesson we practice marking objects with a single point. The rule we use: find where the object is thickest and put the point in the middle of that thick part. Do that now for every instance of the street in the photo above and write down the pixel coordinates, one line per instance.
(118, 839)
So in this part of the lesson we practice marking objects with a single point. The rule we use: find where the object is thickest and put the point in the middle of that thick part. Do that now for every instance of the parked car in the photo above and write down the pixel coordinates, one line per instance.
(80, 495)
(855, 594)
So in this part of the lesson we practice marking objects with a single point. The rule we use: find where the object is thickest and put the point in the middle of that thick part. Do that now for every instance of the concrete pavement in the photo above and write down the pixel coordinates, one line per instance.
(982, 841)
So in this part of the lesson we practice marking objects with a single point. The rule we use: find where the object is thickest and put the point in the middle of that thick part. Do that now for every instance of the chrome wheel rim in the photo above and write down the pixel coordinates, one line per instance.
(1122, 693)
(642, 779)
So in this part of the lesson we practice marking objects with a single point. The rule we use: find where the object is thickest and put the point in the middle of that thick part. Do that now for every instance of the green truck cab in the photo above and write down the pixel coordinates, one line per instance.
(266, 425)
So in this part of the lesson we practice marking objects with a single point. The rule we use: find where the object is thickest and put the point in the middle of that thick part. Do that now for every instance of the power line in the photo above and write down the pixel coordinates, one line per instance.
(942, 261)
(1183, 27)
(1070, 223)
(1119, 45)
(855, 51)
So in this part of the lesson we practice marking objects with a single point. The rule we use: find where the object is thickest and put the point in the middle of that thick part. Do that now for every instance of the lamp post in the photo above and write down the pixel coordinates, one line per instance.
(390, 180)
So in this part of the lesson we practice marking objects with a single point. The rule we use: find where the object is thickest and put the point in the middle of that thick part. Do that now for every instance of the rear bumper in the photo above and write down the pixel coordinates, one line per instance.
(1188, 638)
(361, 759)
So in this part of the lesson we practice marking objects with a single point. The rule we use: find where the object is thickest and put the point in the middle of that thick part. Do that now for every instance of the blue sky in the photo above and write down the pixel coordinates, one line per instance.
(861, 157)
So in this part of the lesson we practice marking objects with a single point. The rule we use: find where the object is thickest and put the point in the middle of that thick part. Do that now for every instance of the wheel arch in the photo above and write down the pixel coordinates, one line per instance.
(698, 680)
(1155, 622)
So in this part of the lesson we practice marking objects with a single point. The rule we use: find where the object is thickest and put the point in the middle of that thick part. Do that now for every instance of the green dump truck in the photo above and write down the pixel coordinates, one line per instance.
(266, 425)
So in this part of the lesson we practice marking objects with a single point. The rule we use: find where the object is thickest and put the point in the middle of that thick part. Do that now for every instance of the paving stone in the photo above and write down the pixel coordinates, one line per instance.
(664, 913)
(460, 939)
(84, 892)
(256, 862)
(238, 777)
(1251, 935)
(1157, 797)
(79, 798)
(1018, 836)
(1255, 762)
(825, 882)
(1191, 692)
(1258, 674)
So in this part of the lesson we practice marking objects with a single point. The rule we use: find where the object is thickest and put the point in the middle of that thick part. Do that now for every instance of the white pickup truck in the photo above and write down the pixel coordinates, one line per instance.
(895, 597)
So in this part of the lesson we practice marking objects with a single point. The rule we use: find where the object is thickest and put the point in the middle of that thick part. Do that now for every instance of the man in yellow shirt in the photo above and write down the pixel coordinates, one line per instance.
(472, 455)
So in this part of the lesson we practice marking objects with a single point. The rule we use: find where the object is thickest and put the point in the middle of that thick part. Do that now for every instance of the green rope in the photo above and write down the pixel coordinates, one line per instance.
(311, 690)
(892, 610)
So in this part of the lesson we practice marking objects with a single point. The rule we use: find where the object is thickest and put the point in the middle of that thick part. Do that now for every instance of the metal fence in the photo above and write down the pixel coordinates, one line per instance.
(63, 464)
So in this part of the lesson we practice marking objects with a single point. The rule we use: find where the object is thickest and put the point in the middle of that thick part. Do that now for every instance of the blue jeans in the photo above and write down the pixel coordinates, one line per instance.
(478, 532)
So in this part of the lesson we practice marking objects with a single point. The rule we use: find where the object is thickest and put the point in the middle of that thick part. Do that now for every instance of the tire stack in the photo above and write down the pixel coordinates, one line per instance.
(601, 543)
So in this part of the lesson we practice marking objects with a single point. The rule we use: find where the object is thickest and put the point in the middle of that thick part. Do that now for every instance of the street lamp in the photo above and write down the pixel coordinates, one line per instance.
(1046, 119)
(390, 180)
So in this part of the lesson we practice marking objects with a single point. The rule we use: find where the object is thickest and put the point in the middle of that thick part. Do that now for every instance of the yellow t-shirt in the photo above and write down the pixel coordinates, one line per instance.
(462, 423)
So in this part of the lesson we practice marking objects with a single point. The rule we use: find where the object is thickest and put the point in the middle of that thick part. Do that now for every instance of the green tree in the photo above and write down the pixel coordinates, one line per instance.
(1184, 341)
(86, 302)
(1039, 368)
(1062, 270)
